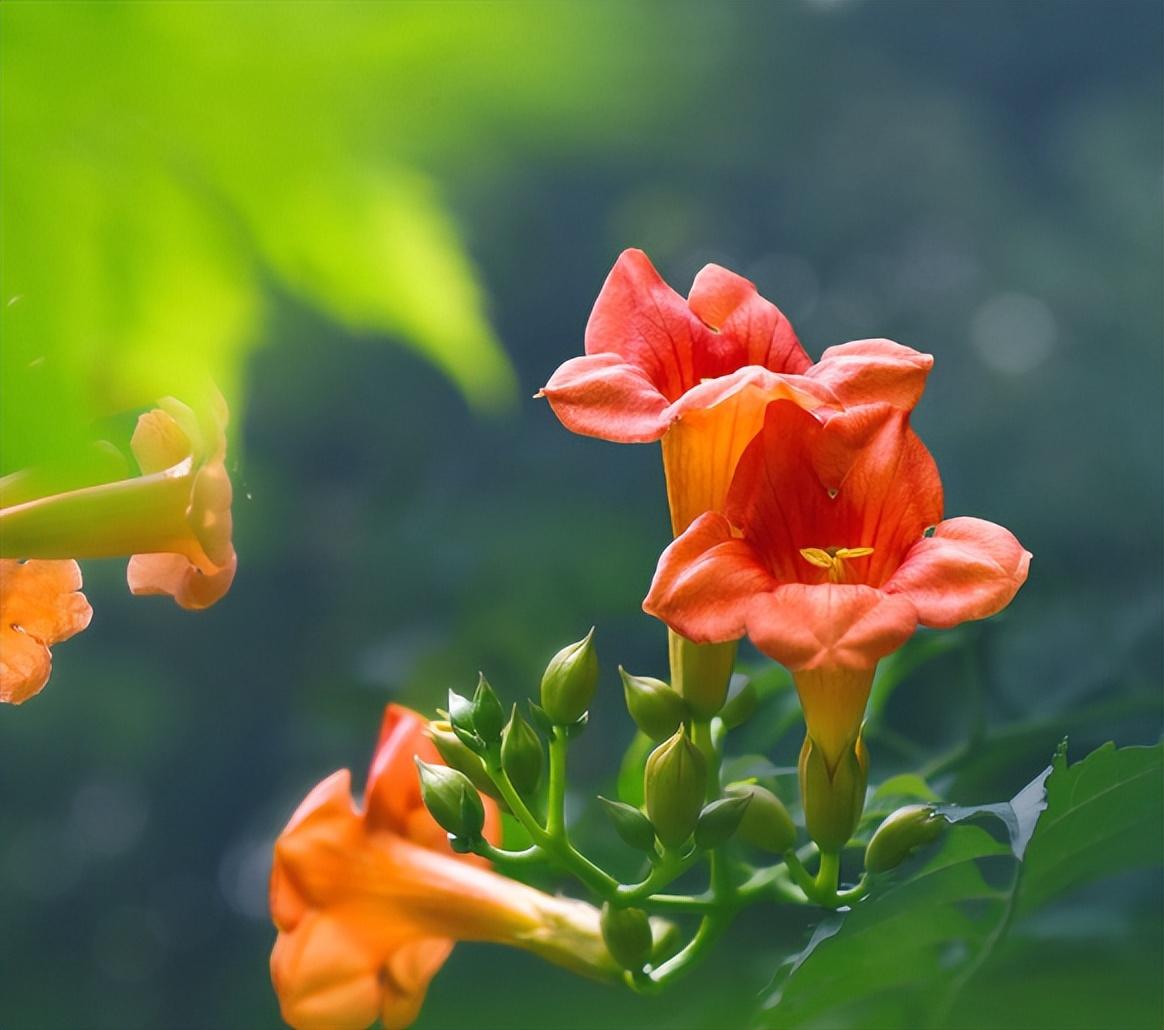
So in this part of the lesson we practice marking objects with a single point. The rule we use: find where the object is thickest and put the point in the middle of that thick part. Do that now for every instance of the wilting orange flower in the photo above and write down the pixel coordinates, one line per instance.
(41, 604)
(822, 557)
(369, 902)
(174, 519)
(698, 373)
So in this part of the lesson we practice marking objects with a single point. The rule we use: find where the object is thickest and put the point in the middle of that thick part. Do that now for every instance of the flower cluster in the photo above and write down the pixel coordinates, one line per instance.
(807, 516)
(173, 522)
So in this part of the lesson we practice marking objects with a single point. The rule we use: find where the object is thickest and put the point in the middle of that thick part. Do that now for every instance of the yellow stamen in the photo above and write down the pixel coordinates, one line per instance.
(833, 558)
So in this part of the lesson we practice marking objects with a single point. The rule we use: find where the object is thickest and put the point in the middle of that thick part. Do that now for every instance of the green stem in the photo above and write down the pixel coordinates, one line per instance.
(827, 876)
(711, 928)
(499, 856)
(556, 792)
(559, 847)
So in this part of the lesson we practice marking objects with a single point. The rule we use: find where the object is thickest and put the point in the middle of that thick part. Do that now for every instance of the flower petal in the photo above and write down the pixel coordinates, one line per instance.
(705, 581)
(874, 371)
(829, 625)
(713, 424)
(753, 330)
(178, 577)
(640, 318)
(407, 974)
(604, 396)
(325, 977)
(969, 569)
(40, 605)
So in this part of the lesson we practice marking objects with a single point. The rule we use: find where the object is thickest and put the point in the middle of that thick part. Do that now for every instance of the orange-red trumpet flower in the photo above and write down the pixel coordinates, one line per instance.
(698, 373)
(369, 901)
(829, 552)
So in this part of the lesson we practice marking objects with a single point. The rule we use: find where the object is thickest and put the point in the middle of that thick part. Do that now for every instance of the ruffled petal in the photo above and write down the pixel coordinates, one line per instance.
(325, 976)
(969, 569)
(176, 576)
(407, 974)
(602, 395)
(40, 605)
(641, 319)
(829, 625)
(752, 330)
(874, 372)
(705, 582)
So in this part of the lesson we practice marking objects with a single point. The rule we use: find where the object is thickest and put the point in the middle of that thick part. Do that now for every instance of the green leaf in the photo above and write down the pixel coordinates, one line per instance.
(1099, 820)
(630, 772)
(904, 956)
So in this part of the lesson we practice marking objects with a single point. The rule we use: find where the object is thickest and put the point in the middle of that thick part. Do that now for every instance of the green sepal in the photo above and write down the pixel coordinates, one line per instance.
(719, 820)
(630, 824)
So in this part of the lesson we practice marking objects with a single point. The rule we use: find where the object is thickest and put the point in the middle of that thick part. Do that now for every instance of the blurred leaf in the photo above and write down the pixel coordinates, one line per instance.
(923, 648)
(164, 165)
(944, 916)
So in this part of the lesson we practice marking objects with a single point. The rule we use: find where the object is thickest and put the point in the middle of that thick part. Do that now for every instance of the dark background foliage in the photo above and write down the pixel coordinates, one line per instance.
(980, 180)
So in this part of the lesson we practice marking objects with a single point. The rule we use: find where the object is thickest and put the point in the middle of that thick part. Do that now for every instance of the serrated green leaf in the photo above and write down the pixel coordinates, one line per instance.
(904, 956)
(1099, 820)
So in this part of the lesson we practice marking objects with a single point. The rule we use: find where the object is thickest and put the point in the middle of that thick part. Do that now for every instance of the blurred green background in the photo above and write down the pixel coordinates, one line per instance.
(380, 228)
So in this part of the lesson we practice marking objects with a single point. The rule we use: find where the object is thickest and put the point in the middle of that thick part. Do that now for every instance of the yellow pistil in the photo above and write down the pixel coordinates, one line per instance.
(833, 558)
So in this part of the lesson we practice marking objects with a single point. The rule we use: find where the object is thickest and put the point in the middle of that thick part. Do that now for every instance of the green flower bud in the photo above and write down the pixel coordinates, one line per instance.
(458, 755)
(451, 800)
(521, 754)
(904, 830)
(656, 709)
(674, 786)
(488, 715)
(719, 820)
(461, 714)
(766, 824)
(630, 824)
(833, 799)
(627, 933)
(570, 680)
(740, 705)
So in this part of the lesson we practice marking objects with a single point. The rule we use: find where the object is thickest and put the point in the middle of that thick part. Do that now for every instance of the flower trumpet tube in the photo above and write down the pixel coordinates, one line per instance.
(829, 552)
(174, 519)
(698, 374)
(369, 902)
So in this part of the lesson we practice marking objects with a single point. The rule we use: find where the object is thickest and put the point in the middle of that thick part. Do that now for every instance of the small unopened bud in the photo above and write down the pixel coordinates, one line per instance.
(903, 831)
(674, 785)
(627, 933)
(656, 709)
(458, 755)
(630, 824)
(570, 680)
(461, 720)
(833, 799)
(766, 824)
(740, 705)
(719, 820)
(521, 754)
(451, 800)
(488, 715)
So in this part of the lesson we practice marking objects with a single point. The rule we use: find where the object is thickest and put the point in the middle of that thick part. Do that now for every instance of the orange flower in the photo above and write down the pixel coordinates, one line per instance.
(369, 902)
(174, 519)
(698, 373)
(822, 557)
(41, 604)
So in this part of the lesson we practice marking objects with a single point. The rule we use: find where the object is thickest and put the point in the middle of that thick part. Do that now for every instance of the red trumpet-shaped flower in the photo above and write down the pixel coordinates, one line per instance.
(698, 373)
(369, 902)
(829, 552)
